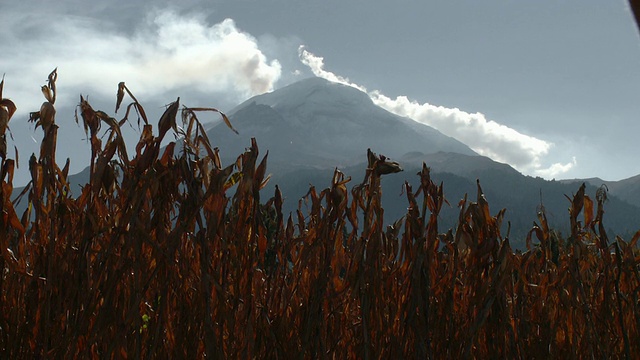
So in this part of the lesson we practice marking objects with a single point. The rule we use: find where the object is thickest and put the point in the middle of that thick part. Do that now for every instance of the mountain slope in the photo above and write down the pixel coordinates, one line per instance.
(317, 123)
(504, 187)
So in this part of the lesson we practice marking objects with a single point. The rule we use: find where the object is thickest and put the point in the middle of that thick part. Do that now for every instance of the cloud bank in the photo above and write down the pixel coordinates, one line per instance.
(166, 51)
(486, 137)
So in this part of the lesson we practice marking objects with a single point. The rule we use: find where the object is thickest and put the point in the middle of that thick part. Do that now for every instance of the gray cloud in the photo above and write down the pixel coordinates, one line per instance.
(166, 51)
(162, 55)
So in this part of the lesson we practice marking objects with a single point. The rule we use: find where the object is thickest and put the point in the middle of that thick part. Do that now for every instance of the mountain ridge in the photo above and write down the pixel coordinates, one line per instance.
(330, 122)
(626, 189)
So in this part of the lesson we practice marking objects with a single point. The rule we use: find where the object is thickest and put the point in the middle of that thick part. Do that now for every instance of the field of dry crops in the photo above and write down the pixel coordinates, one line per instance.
(167, 253)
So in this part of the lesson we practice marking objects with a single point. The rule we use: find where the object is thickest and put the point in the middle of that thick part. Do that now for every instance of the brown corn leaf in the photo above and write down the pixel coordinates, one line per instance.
(146, 139)
(9, 106)
(47, 115)
(7, 170)
(216, 158)
(201, 141)
(120, 95)
(3, 146)
(387, 166)
(484, 204)
(224, 117)
(14, 221)
(202, 133)
(578, 202)
(265, 182)
(142, 114)
(634, 239)
(90, 120)
(262, 243)
(122, 88)
(168, 153)
(51, 83)
(233, 179)
(48, 94)
(65, 169)
(226, 121)
(588, 211)
(261, 170)
(168, 119)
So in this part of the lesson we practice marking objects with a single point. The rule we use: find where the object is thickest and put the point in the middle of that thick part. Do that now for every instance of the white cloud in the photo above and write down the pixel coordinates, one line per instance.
(556, 169)
(486, 137)
(166, 51)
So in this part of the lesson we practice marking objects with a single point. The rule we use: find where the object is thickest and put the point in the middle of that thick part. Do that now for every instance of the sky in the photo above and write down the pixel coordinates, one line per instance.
(549, 87)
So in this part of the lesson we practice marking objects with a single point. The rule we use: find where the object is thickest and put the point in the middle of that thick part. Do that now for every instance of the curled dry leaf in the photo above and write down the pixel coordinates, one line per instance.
(168, 119)
(9, 107)
(120, 95)
(224, 117)
(46, 116)
(48, 94)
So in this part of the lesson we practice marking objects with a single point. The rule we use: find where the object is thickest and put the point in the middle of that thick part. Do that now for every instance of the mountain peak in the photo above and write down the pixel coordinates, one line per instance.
(320, 123)
(312, 91)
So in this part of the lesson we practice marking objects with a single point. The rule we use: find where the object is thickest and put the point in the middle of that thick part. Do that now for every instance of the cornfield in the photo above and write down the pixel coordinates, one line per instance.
(167, 253)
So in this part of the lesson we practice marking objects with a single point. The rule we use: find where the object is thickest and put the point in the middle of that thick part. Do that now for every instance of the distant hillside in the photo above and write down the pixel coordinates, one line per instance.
(503, 186)
(626, 189)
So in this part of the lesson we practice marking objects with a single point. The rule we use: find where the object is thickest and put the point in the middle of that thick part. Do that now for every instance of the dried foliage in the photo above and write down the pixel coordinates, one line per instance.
(155, 258)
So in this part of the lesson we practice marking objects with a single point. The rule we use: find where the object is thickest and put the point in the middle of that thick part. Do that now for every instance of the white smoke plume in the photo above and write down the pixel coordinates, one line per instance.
(167, 51)
(486, 137)
(163, 55)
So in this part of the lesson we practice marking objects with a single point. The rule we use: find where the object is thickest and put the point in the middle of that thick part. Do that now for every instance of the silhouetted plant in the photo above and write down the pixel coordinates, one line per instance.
(156, 259)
